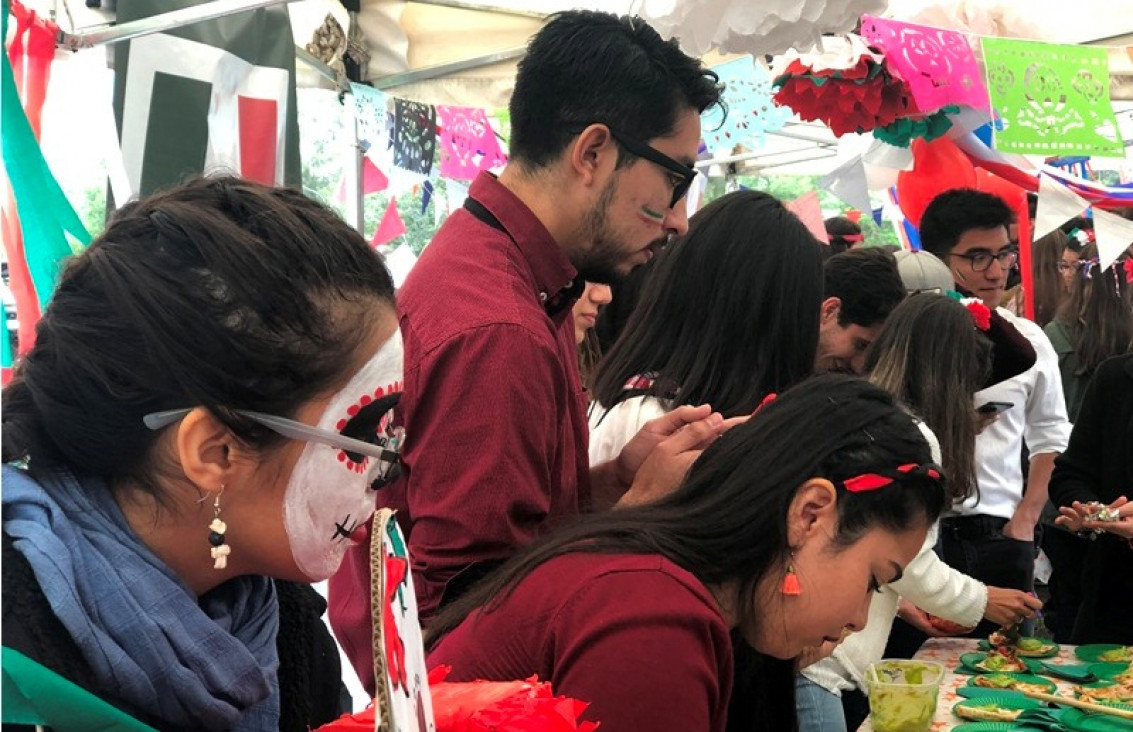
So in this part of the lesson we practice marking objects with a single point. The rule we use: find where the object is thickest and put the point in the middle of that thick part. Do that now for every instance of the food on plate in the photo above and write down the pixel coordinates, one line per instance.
(1117, 692)
(1023, 646)
(989, 712)
(1124, 653)
(1003, 681)
(1001, 659)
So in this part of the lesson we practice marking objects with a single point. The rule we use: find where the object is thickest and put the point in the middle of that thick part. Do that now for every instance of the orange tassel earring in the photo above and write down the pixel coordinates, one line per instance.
(791, 582)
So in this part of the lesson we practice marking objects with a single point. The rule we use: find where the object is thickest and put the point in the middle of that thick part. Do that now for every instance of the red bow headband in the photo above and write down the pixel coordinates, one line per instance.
(873, 481)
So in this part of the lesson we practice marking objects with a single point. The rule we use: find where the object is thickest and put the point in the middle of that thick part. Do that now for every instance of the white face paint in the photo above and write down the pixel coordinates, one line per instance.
(329, 493)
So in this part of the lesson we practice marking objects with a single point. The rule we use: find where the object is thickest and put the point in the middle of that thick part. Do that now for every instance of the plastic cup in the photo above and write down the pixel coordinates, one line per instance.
(902, 694)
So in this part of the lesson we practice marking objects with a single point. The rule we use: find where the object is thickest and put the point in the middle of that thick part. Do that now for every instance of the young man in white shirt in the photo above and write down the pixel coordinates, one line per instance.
(991, 536)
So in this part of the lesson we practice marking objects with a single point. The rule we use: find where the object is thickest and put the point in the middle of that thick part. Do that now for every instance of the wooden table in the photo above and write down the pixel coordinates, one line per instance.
(947, 651)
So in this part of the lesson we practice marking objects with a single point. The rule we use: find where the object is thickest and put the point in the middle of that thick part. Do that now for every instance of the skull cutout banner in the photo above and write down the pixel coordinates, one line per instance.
(1051, 99)
(938, 65)
(414, 136)
(751, 110)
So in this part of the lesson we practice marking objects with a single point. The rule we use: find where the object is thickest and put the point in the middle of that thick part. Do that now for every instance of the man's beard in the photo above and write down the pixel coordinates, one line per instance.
(607, 253)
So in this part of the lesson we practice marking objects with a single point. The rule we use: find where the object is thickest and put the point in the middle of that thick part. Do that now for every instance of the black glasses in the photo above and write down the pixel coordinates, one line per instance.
(980, 261)
(685, 173)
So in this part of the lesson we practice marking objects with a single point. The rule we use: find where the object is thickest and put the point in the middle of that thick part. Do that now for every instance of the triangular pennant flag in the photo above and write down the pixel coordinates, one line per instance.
(1113, 235)
(390, 227)
(427, 195)
(809, 211)
(373, 181)
(1057, 205)
(877, 215)
(848, 182)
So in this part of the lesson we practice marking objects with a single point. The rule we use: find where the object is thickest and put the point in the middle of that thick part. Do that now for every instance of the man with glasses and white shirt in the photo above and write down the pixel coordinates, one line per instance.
(991, 536)
(605, 130)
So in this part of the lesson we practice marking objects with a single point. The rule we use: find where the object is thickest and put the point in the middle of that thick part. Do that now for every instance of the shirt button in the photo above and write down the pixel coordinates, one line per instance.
(568, 285)
(542, 297)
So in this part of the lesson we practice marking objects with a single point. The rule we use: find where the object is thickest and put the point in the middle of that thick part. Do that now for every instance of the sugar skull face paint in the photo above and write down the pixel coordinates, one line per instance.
(329, 493)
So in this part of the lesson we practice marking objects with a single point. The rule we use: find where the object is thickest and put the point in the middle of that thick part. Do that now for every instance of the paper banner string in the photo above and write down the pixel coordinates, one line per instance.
(937, 64)
(371, 111)
(1052, 99)
(1057, 205)
(468, 143)
(848, 182)
(751, 111)
(391, 225)
(1113, 235)
(809, 211)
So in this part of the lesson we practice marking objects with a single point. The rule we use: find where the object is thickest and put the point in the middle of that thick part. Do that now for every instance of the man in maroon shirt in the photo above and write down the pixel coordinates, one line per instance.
(605, 129)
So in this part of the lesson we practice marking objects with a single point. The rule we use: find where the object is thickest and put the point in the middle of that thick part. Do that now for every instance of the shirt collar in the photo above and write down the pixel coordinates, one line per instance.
(557, 284)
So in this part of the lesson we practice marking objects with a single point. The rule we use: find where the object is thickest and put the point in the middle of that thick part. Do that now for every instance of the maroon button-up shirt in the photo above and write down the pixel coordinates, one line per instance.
(494, 409)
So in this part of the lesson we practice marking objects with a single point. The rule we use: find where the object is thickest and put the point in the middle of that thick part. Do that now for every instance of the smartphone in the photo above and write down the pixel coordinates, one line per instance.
(994, 407)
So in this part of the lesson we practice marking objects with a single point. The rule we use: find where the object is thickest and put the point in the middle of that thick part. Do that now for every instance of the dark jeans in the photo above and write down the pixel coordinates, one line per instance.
(976, 546)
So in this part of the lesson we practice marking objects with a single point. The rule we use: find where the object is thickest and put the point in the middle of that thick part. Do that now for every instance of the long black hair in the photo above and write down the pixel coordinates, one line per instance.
(219, 293)
(727, 523)
(730, 313)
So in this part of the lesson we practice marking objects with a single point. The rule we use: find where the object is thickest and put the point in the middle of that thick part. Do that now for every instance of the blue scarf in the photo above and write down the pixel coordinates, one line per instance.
(207, 663)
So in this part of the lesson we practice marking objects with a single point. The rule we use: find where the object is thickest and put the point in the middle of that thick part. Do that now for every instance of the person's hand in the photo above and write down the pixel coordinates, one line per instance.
(1073, 517)
(985, 420)
(1122, 527)
(918, 618)
(666, 466)
(633, 455)
(1021, 527)
(1008, 608)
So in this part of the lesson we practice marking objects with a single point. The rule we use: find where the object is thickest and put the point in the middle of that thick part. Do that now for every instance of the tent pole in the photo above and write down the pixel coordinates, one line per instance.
(355, 213)
(103, 35)
(432, 72)
(485, 8)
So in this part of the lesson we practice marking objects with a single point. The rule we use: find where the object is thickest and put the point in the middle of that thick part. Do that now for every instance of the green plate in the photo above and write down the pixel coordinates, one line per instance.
(992, 727)
(1050, 652)
(1078, 720)
(1047, 684)
(977, 692)
(1102, 685)
(1008, 700)
(1108, 670)
(968, 663)
(1071, 672)
(1094, 651)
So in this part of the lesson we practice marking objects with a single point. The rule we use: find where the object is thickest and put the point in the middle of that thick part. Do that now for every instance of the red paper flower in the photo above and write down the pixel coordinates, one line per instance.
(980, 314)
(487, 706)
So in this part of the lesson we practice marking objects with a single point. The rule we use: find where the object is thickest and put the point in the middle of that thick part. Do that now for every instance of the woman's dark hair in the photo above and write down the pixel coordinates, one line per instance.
(838, 227)
(1099, 312)
(218, 293)
(930, 356)
(730, 314)
(586, 67)
(1050, 287)
(727, 523)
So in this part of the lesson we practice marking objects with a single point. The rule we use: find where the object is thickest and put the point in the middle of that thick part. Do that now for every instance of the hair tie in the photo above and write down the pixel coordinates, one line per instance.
(873, 481)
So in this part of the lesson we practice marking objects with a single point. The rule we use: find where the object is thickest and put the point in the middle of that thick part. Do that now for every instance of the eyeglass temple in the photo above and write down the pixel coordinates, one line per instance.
(283, 426)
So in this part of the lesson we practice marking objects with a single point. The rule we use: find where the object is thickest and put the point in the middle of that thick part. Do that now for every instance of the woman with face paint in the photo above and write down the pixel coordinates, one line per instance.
(782, 531)
(200, 425)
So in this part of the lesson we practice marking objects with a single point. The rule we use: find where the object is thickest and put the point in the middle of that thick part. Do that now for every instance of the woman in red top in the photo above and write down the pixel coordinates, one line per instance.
(780, 533)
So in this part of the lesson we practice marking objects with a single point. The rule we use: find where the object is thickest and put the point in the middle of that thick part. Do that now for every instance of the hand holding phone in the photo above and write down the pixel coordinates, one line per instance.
(994, 407)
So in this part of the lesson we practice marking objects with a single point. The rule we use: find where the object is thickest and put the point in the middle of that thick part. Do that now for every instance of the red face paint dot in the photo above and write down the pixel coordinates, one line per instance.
(352, 410)
(380, 392)
(365, 399)
(341, 425)
(341, 457)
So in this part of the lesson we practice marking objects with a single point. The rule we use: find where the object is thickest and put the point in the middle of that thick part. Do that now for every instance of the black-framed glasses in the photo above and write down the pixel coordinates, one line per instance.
(686, 173)
(1067, 267)
(980, 261)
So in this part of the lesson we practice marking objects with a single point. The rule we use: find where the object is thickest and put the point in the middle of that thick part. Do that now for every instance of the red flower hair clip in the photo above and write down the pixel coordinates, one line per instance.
(980, 313)
(873, 481)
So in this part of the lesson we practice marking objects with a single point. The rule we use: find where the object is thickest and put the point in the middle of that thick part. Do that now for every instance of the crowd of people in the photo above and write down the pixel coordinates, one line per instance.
(779, 460)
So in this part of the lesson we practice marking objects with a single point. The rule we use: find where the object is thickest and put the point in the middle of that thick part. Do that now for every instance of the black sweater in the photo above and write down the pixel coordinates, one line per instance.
(1098, 466)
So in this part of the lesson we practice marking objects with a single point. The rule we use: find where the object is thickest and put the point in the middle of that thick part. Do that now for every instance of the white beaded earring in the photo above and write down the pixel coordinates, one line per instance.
(220, 550)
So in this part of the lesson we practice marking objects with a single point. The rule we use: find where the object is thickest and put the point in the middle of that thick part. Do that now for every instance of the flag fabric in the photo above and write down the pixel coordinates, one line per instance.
(1052, 99)
(214, 96)
(390, 227)
(36, 216)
